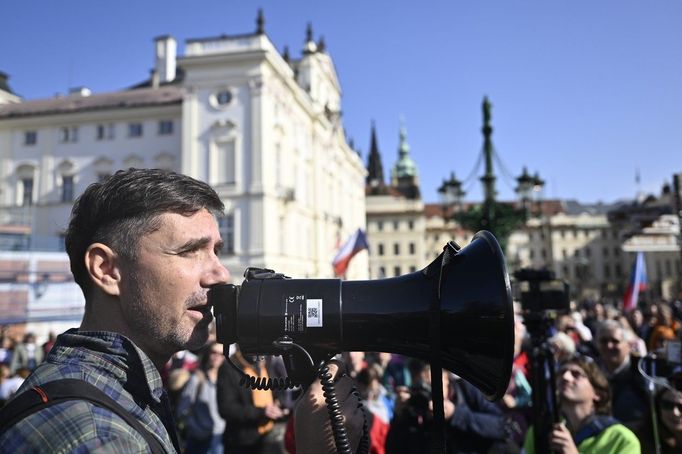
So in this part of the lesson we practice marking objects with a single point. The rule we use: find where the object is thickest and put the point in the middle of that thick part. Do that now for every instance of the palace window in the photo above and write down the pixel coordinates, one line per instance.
(165, 127)
(30, 137)
(68, 134)
(27, 191)
(226, 227)
(134, 129)
(105, 132)
(67, 188)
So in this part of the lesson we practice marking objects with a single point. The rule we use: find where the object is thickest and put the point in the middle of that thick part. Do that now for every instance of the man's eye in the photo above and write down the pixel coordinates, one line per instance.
(186, 253)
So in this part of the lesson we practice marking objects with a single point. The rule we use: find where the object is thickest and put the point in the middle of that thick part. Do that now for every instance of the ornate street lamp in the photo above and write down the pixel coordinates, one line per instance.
(524, 189)
(500, 218)
(451, 194)
(538, 186)
(529, 189)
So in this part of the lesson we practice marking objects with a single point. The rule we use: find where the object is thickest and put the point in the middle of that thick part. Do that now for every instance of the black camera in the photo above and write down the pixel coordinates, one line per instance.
(539, 290)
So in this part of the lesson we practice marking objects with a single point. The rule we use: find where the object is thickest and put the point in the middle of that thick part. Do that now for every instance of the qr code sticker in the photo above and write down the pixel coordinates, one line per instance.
(314, 313)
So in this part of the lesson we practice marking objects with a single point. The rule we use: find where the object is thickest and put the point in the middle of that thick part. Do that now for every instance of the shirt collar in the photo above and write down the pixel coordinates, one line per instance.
(133, 368)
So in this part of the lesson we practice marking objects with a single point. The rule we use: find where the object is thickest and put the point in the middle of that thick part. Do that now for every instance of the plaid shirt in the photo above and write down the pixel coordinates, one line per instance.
(120, 369)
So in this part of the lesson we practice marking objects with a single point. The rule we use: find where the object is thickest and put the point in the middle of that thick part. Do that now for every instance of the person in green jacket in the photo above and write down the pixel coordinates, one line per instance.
(585, 403)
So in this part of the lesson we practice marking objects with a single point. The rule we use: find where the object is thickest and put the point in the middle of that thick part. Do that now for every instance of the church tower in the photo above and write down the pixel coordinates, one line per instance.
(404, 176)
(375, 169)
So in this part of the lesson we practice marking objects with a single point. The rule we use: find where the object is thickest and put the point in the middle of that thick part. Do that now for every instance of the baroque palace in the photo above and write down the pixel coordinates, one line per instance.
(262, 127)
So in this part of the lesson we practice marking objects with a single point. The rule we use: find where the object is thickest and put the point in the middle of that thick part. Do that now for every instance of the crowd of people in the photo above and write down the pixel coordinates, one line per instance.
(144, 248)
(605, 401)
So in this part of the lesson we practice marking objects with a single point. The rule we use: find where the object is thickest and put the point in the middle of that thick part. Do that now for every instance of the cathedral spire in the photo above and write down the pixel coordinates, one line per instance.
(375, 170)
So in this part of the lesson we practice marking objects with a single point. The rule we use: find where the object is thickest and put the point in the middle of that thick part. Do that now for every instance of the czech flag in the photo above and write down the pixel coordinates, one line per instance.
(356, 243)
(638, 283)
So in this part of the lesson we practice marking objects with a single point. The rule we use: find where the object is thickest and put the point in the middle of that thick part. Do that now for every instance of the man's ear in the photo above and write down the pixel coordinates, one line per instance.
(102, 264)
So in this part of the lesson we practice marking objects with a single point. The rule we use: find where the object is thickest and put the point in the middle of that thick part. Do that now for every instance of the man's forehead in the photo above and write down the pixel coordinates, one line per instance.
(200, 223)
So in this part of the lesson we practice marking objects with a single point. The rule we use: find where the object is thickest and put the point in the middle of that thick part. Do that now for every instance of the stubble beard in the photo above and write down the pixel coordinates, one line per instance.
(155, 329)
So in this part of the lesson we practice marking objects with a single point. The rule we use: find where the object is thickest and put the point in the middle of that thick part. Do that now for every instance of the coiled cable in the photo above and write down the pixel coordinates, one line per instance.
(341, 439)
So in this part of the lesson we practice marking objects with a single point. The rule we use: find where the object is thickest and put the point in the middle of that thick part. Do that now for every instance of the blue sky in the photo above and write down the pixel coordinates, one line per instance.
(585, 92)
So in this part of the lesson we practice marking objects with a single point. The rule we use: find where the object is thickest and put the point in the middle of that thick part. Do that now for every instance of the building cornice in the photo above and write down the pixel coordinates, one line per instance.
(103, 115)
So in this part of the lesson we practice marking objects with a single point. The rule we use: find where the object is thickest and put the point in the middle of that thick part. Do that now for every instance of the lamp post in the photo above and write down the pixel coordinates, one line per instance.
(529, 189)
(525, 190)
(499, 218)
(451, 194)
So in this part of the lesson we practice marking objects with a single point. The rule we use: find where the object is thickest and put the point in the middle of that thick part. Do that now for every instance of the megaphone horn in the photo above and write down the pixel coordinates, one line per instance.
(327, 316)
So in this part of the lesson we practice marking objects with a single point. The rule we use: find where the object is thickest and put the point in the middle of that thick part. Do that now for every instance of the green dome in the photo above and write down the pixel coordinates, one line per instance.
(405, 167)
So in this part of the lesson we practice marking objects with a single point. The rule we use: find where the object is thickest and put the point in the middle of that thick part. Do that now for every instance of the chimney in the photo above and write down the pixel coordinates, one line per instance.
(164, 62)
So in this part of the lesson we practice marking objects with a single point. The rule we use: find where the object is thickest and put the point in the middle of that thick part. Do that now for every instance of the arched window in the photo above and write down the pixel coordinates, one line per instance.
(67, 172)
(25, 178)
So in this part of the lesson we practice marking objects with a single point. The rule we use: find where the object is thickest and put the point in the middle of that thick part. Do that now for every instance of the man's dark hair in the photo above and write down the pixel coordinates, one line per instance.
(126, 206)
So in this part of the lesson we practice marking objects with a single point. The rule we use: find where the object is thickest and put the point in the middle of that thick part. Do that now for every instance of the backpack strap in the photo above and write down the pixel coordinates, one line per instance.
(58, 391)
(594, 427)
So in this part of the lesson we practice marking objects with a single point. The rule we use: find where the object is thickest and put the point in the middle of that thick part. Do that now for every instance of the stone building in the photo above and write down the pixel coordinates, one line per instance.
(263, 128)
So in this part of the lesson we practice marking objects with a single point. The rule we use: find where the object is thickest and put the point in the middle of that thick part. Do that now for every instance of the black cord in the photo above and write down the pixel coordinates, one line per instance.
(341, 439)
(336, 417)
(261, 383)
(334, 409)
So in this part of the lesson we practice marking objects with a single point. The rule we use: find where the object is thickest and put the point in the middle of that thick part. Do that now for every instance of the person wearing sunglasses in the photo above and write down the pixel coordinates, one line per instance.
(668, 404)
(585, 404)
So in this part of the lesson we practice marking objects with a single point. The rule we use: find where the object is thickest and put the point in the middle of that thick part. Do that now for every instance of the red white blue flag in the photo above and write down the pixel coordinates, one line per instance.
(356, 243)
(638, 283)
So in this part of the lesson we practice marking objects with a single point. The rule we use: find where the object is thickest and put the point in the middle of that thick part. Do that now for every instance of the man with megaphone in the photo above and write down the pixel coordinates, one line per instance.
(456, 314)
(143, 247)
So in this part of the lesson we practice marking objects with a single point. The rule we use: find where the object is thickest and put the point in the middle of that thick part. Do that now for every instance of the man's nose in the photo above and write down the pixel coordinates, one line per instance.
(216, 274)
